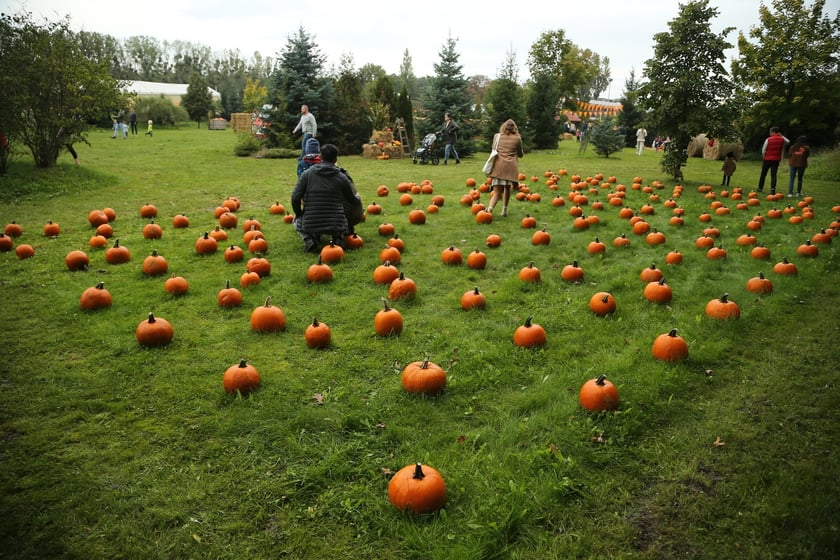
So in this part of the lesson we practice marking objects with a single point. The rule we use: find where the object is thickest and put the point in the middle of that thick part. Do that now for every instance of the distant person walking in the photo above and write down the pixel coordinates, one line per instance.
(449, 133)
(798, 161)
(505, 173)
(149, 128)
(771, 152)
(728, 168)
(641, 135)
(132, 121)
(308, 126)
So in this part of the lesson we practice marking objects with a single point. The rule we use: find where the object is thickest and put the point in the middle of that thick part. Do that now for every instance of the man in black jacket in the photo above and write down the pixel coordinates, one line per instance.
(325, 202)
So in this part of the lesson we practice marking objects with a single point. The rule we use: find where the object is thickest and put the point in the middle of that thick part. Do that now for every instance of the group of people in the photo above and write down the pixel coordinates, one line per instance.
(121, 128)
(772, 151)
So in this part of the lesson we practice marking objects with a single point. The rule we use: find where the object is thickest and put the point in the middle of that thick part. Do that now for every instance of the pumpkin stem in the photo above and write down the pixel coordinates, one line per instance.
(206, 235)
(402, 276)
(528, 322)
(673, 332)
(606, 298)
(268, 301)
(385, 303)
(151, 318)
(315, 321)
(600, 380)
(116, 242)
(476, 290)
(761, 275)
(575, 264)
(724, 298)
(243, 363)
(531, 264)
(100, 286)
(227, 284)
(418, 472)
(653, 266)
(425, 363)
(662, 281)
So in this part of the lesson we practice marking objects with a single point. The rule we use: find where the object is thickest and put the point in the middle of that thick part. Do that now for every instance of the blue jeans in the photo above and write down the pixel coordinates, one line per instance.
(448, 150)
(796, 173)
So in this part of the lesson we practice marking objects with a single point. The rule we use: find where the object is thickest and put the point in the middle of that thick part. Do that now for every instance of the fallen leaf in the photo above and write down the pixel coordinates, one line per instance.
(718, 442)
(386, 471)
(318, 398)
(461, 439)
(553, 449)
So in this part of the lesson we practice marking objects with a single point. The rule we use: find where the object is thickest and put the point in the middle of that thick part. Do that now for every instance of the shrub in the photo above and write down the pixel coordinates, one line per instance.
(825, 164)
(246, 144)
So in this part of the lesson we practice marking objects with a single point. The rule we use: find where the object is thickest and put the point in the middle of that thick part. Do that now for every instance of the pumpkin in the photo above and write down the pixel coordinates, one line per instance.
(451, 256)
(206, 245)
(402, 288)
(373, 208)
(759, 284)
(105, 230)
(385, 229)
(24, 251)
(673, 257)
(416, 217)
(148, 211)
(249, 278)
(541, 237)
(13, 229)
(229, 220)
(484, 217)
(154, 331)
(385, 273)
(219, 234)
(277, 209)
(641, 227)
(258, 245)
(602, 303)
(406, 199)
(397, 243)
(528, 222)
(353, 241)
(241, 378)
(260, 265)
(808, 249)
(655, 237)
(651, 274)
(722, 308)
(785, 268)
(97, 241)
(77, 260)
(268, 318)
(229, 296)
(822, 236)
(572, 272)
(493, 240)
(317, 334)
(658, 292)
(332, 253)
(530, 273)
(621, 241)
(319, 272)
(234, 254)
(154, 265)
(669, 347)
(152, 231)
(596, 246)
(390, 254)
(176, 285)
(111, 213)
(251, 223)
(473, 299)
(423, 377)
(477, 260)
(598, 394)
(418, 488)
(180, 221)
(716, 253)
(232, 202)
(388, 321)
(760, 252)
(52, 229)
(96, 297)
(529, 335)
(252, 234)
(97, 217)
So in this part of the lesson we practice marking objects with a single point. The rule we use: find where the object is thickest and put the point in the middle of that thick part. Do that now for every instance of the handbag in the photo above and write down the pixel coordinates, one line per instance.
(488, 165)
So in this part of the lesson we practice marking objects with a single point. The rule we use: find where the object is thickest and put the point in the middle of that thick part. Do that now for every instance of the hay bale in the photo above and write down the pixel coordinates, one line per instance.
(717, 150)
(240, 122)
(696, 145)
(384, 136)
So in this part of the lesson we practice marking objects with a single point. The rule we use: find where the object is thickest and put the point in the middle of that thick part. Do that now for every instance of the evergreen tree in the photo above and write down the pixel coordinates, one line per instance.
(630, 116)
(352, 125)
(405, 111)
(449, 93)
(542, 128)
(299, 80)
(606, 138)
(198, 101)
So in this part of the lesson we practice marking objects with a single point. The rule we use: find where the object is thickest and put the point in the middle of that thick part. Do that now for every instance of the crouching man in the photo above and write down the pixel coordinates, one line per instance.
(325, 202)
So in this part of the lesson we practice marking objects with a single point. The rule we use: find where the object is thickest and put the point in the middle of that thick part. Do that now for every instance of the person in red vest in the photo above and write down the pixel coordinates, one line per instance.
(771, 152)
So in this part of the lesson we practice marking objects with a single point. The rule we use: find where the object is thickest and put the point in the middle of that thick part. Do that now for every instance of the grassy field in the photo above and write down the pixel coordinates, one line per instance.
(113, 450)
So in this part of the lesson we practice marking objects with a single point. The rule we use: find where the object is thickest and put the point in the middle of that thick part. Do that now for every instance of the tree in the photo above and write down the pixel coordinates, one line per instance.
(543, 128)
(449, 93)
(409, 80)
(606, 138)
(254, 96)
(630, 117)
(51, 89)
(352, 125)
(198, 101)
(504, 99)
(687, 86)
(789, 73)
(299, 80)
(405, 110)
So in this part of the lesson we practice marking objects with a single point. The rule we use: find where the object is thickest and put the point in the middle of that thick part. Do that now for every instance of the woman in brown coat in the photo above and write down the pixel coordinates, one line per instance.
(505, 172)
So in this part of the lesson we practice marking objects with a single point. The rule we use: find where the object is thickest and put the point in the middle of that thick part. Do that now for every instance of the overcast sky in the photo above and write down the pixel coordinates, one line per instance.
(380, 32)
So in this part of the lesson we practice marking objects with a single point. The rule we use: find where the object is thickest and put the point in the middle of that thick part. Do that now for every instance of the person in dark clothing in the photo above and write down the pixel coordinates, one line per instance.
(132, 121)
(449, 133)
(325, 202)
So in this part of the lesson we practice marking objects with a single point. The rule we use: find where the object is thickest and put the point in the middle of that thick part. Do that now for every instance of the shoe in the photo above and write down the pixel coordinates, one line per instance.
(504, 212)
(490, 209)
(457, 162)
(445, 163)
(799, 194)
(312, 248)
(790, 195)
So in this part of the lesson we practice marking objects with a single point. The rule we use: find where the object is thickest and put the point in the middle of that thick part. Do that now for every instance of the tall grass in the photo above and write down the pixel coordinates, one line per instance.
(111, 450)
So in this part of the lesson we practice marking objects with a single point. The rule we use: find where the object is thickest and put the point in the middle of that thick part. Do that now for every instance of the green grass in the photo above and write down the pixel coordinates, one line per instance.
(110, 450)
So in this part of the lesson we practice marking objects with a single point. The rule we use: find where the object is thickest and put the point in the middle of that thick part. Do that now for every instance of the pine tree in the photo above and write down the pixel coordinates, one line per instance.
(606, 137)
(449, 93)
(198, 101)
(503, 100)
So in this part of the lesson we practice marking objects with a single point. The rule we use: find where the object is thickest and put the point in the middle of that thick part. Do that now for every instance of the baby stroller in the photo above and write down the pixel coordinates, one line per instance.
(425, 153)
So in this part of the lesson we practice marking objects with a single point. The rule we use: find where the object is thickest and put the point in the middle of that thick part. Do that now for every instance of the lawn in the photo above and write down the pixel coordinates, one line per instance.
(114, 450)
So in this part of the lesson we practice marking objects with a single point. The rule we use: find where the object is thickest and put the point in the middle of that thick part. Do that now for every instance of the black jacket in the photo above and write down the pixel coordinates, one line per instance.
(450, 132)
(323, 198)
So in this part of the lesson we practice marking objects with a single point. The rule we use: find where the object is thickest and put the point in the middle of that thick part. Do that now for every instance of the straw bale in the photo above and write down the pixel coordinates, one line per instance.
(717, 150)
(696, 145)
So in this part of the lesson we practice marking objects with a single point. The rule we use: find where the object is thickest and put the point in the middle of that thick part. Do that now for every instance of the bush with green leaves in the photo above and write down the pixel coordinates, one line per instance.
(160, 110)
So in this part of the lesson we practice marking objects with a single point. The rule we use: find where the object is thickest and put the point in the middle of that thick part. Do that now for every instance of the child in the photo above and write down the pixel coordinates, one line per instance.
(149, 128)
(728, 168)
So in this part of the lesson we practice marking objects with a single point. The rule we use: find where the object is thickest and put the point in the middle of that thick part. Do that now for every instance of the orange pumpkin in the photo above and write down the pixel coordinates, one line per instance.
(669, 347)
(451, 256)
(388, 321)
(242, 378)
(176, 285)
(118, 254)
(530, 273)
(268, 318)
(402, 288)
(206, 245)
(473, 299)
(154, 265)
(722, 308)
(229, 296)
(423, 377)
(385, 273)
(572, 272)
(529, 335)
(602, 304)
(319, 272)
(154, 331)
(96, 297)
(77, 260)
(598, 394)
(317, 334)
(658, 292)
(418, 488)
(759, 284)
